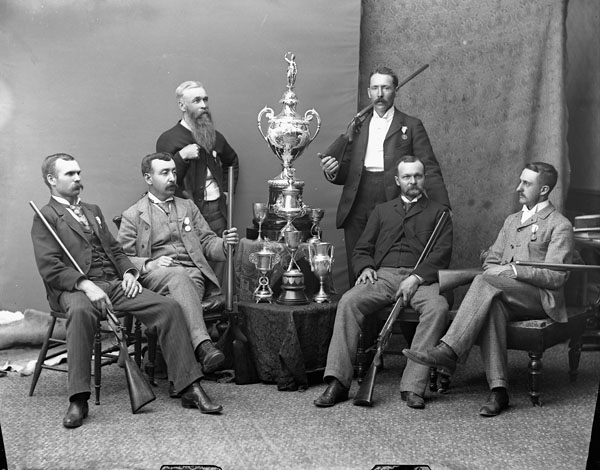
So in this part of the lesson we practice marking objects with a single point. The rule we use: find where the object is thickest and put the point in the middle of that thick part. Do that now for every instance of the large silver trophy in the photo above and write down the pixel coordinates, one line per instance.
(288, 134)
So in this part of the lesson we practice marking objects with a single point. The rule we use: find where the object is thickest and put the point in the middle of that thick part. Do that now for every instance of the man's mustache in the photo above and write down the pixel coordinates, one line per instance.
(172, 186)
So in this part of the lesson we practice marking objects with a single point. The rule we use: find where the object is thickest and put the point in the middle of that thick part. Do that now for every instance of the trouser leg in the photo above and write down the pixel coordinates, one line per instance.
(81, 326)
(433, 322)
(177, 283)
(217, 222)
(357, 303)
(164, 315)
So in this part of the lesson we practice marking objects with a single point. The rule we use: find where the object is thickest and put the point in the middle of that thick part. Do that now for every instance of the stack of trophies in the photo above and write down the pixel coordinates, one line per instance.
(288, 135)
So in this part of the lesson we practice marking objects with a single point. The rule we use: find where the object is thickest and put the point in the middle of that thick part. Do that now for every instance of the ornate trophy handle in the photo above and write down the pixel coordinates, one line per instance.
(308, 115)
(269, 113)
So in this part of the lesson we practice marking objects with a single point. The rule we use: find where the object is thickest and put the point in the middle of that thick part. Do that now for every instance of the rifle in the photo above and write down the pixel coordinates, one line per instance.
(451, 278)
(364, 396)
(245, 372)
(140, 393)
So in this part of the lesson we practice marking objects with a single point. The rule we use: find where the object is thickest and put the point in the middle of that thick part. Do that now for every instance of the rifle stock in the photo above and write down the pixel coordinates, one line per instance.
(452, 278)
(140, 392)
(364, 396)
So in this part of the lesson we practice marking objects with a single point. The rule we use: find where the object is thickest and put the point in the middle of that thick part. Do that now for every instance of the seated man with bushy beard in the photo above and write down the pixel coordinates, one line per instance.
(202, 156)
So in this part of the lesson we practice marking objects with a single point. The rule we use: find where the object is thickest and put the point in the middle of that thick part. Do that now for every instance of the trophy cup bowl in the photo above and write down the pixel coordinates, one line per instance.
(292, 279)
(260, 211)
(315, 215)
(264, 260)
(289, 205)
(321, 258)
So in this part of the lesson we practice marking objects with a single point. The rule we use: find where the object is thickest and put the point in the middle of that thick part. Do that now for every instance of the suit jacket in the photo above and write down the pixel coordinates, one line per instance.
(191, 176)
(54, 266)
(201, 242)
(545, 237)
(398, 142)
(389, 222)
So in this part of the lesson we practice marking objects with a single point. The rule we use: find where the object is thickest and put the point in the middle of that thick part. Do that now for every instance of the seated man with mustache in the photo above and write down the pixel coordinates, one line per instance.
(202, 156)
(170, 243)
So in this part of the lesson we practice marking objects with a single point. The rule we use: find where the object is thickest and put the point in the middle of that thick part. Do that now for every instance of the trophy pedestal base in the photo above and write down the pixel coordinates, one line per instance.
(292, 289)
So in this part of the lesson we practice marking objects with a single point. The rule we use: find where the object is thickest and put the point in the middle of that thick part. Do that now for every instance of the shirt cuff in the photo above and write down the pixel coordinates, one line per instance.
(134, 272)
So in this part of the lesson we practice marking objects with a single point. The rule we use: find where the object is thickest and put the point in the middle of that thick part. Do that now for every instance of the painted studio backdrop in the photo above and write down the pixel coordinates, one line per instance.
(97, 80)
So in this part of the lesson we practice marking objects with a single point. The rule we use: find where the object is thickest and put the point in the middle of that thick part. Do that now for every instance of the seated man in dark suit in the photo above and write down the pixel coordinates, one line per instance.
(506, 291)
(110, 281)
(384, 261)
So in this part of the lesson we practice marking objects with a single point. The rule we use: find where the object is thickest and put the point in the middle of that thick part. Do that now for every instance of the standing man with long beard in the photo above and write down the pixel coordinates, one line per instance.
(202, 156)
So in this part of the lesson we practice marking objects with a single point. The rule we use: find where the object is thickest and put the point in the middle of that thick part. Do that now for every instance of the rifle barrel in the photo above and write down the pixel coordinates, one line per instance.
(559, 266)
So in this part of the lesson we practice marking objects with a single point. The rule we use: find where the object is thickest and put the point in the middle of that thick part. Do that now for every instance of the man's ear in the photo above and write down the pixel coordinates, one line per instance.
(544, 190)
(148, 178)
(181, 105)
(50, 179)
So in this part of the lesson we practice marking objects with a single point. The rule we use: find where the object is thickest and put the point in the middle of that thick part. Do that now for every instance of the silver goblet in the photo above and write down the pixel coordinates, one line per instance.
(321, 258)
(315, 215)
(264, 260)
(260, 211)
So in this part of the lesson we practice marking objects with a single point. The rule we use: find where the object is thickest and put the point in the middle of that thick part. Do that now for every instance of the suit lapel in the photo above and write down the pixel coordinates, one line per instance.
(396, 124)
(63, 213)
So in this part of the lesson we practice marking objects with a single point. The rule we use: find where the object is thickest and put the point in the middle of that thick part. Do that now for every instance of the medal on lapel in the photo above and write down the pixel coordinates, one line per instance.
(404, 129)
(534, 229)
(186, 224)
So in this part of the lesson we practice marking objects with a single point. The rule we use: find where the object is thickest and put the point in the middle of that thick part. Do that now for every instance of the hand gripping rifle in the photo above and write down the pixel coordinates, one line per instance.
(140, 393)
(364, 396)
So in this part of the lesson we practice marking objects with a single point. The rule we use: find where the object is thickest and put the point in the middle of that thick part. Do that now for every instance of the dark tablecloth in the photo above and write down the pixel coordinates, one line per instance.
(287, 342)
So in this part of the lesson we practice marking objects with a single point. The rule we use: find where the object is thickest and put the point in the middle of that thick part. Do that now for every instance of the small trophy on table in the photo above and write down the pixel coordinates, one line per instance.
(321, 257)
(264, 260)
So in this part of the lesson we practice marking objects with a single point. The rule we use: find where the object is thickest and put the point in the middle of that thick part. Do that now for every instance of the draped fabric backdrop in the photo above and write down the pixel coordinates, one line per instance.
(492, 99)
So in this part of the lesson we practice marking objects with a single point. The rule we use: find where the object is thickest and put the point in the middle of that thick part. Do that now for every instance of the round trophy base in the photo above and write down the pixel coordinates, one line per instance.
(292, 289)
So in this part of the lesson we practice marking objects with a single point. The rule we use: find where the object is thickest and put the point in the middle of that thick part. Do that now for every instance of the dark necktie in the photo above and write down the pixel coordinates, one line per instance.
(165, 206)
(407, 206)
(79, 215)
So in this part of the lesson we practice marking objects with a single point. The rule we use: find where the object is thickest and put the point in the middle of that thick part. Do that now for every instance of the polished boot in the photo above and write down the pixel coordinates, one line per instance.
(194, 396)
(334, 393)
(209, 357)
(413, 400)
(76, 413)
(496, 402)
(442, 357)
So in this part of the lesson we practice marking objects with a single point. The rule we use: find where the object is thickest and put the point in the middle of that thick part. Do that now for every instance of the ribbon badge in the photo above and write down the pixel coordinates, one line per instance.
(404, 129)
(534, 229)
(186, 224)
(99, 221)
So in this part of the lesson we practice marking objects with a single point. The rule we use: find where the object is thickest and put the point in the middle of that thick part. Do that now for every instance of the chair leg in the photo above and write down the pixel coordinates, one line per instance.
(42, 356)
(97, 362)
(433, 377)
(535, 372)
(575, 346)
(444, 384)
(150, 366)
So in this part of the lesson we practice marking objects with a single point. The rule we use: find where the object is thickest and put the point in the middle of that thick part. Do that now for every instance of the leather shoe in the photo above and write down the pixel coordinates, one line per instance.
(334, 393)
(210, 358)
(195, 397)
(496, 402)
(172, 392)
(442, 357)
(76, 413)
(413, 400)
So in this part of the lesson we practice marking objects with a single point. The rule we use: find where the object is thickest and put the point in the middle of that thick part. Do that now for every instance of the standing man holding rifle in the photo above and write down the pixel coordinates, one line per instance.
(508, 291)
(384, 261)
(364, 159)
(109, 281)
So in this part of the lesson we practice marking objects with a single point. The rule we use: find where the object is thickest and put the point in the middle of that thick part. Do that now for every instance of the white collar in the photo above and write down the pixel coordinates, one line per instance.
(387, 117)
(405, 199)
(155, 200)
(184, 123)
(64, 202)
(527, 213)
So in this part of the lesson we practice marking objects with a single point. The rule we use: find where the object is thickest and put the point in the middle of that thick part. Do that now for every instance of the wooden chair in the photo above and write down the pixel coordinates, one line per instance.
(52, 347)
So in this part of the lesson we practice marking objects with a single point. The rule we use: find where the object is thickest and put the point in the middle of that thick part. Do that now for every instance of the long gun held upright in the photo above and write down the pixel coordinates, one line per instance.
(140, 393)
(364, 396)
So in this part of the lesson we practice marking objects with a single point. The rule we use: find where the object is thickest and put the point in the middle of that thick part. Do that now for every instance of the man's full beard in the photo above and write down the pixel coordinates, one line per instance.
(203, 130)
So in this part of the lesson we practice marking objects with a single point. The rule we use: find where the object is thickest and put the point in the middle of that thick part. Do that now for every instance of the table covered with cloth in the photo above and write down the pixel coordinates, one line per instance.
(288, 341)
